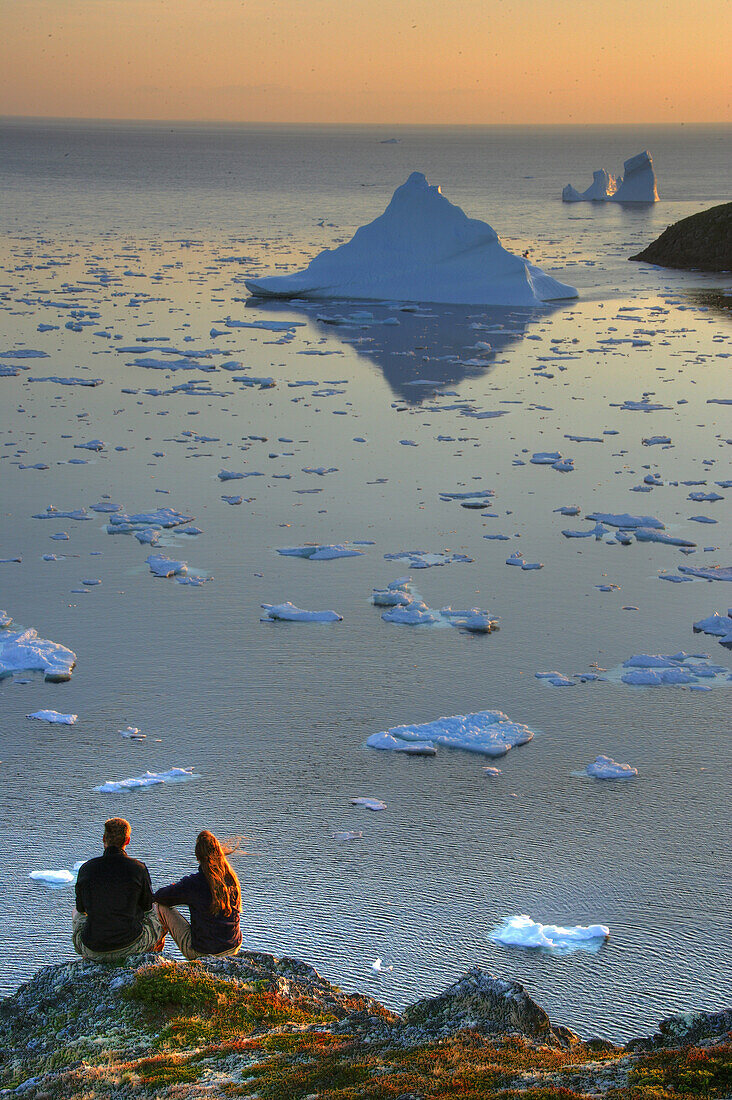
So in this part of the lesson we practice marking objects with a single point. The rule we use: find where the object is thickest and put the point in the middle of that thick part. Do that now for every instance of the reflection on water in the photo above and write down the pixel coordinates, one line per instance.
(417, 348)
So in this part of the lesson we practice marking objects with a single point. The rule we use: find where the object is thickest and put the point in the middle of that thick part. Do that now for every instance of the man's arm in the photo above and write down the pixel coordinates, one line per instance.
(79, 900)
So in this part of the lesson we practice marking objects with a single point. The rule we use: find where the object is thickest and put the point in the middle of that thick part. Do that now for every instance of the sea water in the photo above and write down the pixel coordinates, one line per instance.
(154, 228)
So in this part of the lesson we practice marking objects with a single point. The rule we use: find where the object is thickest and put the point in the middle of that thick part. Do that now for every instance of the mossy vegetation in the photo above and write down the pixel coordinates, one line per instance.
(181, 1031)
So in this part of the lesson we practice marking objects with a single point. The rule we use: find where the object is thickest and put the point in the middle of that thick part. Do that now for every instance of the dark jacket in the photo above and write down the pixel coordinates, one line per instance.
(115, 893)
(210, 935)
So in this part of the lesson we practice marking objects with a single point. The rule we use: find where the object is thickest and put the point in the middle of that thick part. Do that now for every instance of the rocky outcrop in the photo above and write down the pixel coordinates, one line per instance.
(702, 242)
(488, 1005)
(261, 1027)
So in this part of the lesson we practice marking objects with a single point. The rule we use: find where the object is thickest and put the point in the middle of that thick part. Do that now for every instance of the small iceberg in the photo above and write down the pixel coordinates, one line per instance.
(369, 803)
(718, 626)
(407, 607)
(23, 651)
(638, 184)
(149, 779)
(489, 732)
(54, 717)
(162, 566)
(320, 553)
(421, 249)
(522, 931)
(62, 877)
(289, 613)
(604, 767)
(655, 670)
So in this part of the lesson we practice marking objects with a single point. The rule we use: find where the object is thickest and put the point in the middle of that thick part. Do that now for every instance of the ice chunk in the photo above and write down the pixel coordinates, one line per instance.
(719, 626)
(517, 558)
(163, 566)
(53, 878)
(602, 188)
(708, 572)
(489, 732)
(394, 744)
(422, 248)
(638, 183)
(23, 651)
(604, 767)
(320, 553)
(289, 613)
(369, 803)
(522, 931)
(149, 779)
(54, 716)
(424, 559)
(556, 679)
(626, 521)
(655, 670)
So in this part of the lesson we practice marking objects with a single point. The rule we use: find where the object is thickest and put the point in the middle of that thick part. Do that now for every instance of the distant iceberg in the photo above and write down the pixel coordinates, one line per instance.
(421, 249)
(638, 184)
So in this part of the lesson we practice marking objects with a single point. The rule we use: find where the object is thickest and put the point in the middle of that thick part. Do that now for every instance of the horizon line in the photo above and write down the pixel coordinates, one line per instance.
(354, 125)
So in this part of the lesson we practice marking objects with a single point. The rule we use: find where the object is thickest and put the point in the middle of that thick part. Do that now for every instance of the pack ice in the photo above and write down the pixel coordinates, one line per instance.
(23, 651)
(489, 732)
(422, 248)
(522, 931)
(638, 184)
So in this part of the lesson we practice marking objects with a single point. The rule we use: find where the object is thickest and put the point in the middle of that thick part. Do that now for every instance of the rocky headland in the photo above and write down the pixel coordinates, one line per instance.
(258, 1026)
(702, 242)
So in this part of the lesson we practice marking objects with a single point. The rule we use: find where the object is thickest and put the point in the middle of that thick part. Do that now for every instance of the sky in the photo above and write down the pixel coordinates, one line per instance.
(369, 61)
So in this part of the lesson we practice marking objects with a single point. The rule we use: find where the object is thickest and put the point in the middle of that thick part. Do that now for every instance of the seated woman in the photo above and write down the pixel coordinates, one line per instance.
(213, 897)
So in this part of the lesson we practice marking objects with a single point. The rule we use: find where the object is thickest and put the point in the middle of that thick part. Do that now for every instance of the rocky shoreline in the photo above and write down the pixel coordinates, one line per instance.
(702, 242)
(258, 1026)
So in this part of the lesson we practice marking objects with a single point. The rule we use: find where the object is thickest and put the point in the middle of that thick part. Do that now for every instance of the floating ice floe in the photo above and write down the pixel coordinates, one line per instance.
(556, 679)
(377, 965)
(162, 518)
(23, 651)
(54, 716)
(149, 779)
(320, 553)
(132, 733)
(369, 803)
(718, 626)
(422, 248)
(55, 513)
(163, 566)
(517, 558)
(638, 184)
(58, 878)
(407, 607)
(424, 559)
(553, 459)
(626, 521)
(489, 732)
(708, 572)
(604, 767)
(655, 669)
(522, 931)
(289, 613)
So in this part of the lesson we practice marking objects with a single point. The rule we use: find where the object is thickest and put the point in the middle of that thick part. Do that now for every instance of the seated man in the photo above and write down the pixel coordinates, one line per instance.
(114, 915)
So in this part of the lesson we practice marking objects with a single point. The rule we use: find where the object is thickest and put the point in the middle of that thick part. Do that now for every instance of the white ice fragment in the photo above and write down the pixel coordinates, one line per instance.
(424, 559)
(54, 716)
(394, 744)
(320, 553)
(53, 878)
(489, 732)
(23, 651)
(132, 733)
(719, 626)
(149, 779)
(163, 566)
(289, 613)
(556, 679)
(422, 248)
(377, 965)
(604, 767)
(369, 803)
(626, 521)
(522, 931)
(708, 572)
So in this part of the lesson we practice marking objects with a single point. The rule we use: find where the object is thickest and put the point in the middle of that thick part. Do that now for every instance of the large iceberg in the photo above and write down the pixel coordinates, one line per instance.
(421, 249)
(638, 184)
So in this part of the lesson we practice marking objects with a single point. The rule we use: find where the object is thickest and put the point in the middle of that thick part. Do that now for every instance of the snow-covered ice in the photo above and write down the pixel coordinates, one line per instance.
(54, 716)
(320, 553)
(522, 931)
(604, 767)
(654, 670)
(163, 566)
(289, 613)
(719, 626)
(149, 779)
(489, 732)
(23, 651)
(422, 248)
(369, 803)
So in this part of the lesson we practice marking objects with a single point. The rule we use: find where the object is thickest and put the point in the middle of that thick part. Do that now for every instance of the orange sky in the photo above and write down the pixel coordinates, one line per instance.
(362, 61)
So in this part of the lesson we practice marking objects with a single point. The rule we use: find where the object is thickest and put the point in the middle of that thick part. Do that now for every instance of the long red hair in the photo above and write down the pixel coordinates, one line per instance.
(220, 875)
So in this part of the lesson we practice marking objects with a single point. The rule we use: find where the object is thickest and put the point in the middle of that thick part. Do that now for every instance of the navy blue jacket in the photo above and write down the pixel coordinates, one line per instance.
(115, 893)
(210, 935)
